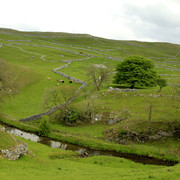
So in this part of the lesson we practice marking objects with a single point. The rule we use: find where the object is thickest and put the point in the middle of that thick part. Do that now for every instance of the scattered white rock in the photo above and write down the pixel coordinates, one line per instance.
(122, 90)
(100, 66)
(15, 152)
(2, 129)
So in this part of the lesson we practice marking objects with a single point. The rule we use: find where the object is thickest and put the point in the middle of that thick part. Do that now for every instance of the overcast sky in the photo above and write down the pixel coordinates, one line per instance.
(144, 20)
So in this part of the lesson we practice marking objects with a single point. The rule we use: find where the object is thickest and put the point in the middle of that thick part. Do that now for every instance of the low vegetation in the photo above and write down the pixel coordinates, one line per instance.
(6, 141)
(103, 115)
(50, 163)
(44, 126)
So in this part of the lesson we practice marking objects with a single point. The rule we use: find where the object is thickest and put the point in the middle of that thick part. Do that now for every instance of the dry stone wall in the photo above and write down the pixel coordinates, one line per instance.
(50, 111)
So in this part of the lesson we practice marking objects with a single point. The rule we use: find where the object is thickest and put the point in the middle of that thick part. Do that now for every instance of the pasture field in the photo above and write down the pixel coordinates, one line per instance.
(32, 56)
(51, 163)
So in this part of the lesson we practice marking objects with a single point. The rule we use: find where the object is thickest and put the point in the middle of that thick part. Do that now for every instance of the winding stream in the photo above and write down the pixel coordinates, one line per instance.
(83, 151)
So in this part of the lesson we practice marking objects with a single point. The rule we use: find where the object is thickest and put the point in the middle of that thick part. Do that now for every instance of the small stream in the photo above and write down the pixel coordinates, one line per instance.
(83, 151)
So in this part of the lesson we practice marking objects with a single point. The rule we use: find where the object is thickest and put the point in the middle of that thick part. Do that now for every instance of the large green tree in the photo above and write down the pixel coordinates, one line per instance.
(136, 71)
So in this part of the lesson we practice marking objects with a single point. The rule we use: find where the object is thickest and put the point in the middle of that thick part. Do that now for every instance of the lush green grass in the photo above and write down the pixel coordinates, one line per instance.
(52, 164)
(29, 100)
(88, 139)
(79, 69)
(36, 78)
(6, 141)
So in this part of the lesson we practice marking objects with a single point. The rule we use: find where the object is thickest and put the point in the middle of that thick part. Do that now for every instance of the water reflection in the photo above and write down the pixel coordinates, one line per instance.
(54, 144)
(25, 135)
(64, 146)
(85, 152)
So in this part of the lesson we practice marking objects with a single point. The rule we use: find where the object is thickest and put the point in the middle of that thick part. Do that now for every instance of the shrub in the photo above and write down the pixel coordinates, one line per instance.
(71, 116)
(122, 133)
(74, 115)
(44, 126)
(161, 83)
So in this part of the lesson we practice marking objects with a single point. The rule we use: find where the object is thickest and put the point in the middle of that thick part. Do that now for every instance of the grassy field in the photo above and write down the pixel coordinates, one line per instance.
(52, 164)
(33, 56)
(6, 141)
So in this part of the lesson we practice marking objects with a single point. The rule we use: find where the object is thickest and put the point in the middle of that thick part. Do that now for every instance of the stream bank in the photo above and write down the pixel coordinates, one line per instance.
(84, 151)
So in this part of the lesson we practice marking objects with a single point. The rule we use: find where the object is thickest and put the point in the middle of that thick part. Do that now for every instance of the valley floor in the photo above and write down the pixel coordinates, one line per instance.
(33, 56)
(52, 164)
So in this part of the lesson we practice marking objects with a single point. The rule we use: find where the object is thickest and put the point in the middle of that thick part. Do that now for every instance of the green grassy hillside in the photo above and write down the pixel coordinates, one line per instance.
(41, 52)
(33, 55)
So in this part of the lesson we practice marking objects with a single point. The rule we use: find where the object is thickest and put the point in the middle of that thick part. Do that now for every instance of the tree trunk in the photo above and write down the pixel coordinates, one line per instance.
(132, 86)
(160, 89)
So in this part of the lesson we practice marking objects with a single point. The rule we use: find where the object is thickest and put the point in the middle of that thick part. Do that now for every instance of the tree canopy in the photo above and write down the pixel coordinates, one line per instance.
(161, 83)
(136, 71)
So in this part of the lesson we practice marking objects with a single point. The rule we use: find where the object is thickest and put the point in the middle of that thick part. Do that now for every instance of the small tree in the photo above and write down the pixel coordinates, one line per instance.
(126, 114)
(44, 126)
(161, 83)
(58, 95)
(136, 71)
(98, 75)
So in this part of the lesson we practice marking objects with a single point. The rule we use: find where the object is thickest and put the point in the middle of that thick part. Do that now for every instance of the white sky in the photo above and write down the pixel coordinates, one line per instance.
(145, 20)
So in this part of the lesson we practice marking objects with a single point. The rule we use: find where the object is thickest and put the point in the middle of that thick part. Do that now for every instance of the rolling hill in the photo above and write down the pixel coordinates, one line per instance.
(40, 61)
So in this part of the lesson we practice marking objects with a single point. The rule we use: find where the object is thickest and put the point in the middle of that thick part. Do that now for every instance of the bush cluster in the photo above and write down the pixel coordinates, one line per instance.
(44, 126)
(73, 115)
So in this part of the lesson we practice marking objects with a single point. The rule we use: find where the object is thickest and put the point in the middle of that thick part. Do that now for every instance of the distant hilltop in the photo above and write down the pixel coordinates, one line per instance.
(74, 35)
(43, 34)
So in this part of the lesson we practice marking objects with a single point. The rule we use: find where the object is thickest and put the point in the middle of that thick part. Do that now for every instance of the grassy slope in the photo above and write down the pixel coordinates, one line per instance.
(41, 166)
(29, 100)
(76, 69)
(6, 141)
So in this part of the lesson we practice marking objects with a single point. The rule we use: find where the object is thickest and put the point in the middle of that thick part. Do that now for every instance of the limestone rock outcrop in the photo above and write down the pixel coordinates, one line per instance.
(15, 152)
